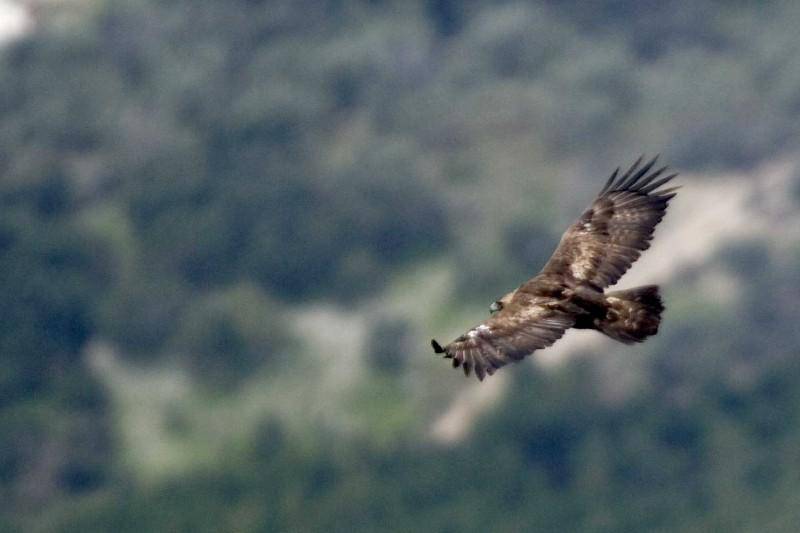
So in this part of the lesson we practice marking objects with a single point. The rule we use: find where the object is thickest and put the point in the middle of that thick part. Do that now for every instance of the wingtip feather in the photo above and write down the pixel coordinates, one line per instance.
(635, 176)
(630, 171)
(647, 179)
(656, 184)
(610, 181)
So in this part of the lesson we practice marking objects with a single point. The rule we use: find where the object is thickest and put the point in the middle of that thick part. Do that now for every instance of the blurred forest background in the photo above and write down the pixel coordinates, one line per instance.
(228, 230)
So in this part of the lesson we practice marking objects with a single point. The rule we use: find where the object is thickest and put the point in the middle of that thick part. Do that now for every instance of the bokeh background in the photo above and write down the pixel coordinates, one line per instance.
(229, 229)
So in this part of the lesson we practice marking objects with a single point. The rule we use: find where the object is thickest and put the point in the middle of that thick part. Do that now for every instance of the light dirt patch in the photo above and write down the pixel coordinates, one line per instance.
(709, 213)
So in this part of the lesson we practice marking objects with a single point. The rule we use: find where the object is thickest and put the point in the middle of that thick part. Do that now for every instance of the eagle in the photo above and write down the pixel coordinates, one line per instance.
(570, 291)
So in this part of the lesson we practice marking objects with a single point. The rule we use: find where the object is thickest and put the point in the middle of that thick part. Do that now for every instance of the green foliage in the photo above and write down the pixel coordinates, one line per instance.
(226, 335)
(55, 432)
(188, 181)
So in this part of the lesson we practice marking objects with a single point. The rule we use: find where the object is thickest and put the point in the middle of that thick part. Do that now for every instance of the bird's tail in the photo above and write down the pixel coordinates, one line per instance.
(632, 315)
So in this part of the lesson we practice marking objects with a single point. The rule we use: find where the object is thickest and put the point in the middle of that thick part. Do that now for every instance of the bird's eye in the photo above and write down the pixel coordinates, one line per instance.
(495, 307)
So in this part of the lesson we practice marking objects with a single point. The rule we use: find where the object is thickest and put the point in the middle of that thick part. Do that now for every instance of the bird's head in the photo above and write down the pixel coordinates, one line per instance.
(498, 305)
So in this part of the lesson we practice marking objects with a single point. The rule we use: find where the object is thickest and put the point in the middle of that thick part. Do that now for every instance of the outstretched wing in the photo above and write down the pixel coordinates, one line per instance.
(507, 336)
(605, 241)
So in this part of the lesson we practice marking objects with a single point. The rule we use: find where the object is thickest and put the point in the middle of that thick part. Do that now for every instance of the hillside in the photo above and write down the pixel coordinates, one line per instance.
(228, 231)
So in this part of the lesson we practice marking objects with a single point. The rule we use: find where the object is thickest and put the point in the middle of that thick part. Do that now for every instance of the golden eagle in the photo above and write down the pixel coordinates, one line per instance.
(569, 291)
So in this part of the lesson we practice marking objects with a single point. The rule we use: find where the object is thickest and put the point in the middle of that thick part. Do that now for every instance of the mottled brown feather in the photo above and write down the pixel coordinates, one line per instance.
(508, 336)
(593, 254)
(613, 232)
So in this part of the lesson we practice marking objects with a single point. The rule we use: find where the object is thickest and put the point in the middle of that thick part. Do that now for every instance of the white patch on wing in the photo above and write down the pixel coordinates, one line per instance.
(581, 263)
(717, 213)
(474, 332)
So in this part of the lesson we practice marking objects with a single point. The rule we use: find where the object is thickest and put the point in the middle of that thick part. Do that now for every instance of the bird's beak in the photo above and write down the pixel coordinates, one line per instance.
(494, 307)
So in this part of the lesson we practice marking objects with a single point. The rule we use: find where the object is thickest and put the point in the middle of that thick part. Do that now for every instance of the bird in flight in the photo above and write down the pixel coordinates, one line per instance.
(569, 292)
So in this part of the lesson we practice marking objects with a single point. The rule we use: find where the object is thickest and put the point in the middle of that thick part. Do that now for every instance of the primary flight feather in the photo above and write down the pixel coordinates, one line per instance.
(569, 292)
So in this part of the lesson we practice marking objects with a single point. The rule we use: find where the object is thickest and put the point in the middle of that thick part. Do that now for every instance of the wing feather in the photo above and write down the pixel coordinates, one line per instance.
(613, 232)
(596, 250)
(508, 336)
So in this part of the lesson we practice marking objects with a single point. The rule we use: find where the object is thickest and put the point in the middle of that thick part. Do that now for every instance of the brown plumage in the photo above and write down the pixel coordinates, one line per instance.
(593, 254)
